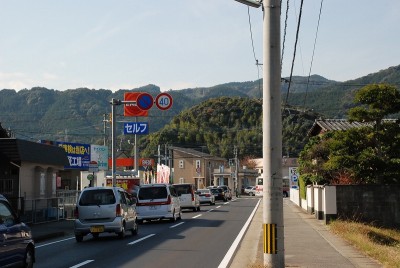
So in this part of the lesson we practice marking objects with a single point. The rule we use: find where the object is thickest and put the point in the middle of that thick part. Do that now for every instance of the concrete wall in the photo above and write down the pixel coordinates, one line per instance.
(379, 204)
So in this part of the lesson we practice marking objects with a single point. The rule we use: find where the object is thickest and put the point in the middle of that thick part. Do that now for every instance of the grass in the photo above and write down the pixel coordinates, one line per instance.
(381, 244)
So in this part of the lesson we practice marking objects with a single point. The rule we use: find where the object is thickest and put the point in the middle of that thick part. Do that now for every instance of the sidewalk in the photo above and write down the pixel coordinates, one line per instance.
(308, 243)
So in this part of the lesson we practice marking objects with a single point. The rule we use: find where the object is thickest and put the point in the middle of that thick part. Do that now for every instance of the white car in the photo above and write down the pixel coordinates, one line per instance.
(187, 196)
(250, 190)
(157, 202)
(206, 196)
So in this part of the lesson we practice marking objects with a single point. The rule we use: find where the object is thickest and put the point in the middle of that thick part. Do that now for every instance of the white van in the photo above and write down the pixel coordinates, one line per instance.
(187, 196)
(157, 202)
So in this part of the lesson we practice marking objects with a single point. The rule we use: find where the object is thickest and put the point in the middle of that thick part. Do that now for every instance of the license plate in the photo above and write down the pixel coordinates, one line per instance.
(97, 229)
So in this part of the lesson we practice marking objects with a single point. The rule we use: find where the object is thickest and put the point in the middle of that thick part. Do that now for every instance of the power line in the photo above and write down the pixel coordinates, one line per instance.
(254, 53)
(294, 52)
(312, 58)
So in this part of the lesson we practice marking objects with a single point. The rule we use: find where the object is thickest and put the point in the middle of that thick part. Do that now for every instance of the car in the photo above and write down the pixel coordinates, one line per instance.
(219, 194)
(206, 196)
(105, 210)
(250, 190)
(187, 196)
(158, 201)
(17, 247)
(227, 190)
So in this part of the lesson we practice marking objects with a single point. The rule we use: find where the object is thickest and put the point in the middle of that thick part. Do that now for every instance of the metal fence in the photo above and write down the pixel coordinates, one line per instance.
(48, 209)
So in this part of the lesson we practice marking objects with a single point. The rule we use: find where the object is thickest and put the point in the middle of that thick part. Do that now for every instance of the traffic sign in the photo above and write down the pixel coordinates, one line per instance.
(93, 166)
(131, 109)
(136, 128)
(144, 101)
(164, 101)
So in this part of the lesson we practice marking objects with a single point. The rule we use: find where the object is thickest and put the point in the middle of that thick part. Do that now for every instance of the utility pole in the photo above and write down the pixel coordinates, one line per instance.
(273, 235)
(274, 254)
(236, 171)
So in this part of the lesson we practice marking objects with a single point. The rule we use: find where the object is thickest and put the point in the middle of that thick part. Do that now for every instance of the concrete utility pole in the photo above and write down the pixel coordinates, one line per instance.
(272, 138)
(273, 235)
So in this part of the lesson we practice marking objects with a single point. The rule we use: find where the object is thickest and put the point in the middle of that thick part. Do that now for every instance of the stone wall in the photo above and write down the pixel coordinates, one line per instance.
(378, 204)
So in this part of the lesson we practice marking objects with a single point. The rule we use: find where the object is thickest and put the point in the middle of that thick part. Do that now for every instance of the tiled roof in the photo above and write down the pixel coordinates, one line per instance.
(195, 153)
(325, 125)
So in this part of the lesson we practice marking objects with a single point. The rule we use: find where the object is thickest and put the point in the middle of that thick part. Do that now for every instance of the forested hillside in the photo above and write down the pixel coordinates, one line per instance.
(82, 115)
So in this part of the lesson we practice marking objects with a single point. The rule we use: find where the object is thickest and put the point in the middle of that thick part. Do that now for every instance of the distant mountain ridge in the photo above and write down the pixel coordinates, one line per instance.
(79, 114)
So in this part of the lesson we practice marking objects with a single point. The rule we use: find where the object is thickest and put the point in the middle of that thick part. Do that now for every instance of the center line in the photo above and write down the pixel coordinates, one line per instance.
(194, 217)
(81, 264)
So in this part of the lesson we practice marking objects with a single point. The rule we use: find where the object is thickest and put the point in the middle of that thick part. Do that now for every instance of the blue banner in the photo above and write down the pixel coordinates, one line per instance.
(136, 128)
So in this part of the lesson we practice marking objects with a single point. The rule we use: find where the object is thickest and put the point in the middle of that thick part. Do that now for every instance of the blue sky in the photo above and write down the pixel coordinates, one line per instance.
(176, 44)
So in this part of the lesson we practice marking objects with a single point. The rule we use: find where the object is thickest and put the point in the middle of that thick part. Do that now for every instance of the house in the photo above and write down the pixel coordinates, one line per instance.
(29, 172)
(191, 166)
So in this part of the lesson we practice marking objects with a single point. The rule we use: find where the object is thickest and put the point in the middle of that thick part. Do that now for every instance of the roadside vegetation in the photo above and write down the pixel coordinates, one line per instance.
(381, 244)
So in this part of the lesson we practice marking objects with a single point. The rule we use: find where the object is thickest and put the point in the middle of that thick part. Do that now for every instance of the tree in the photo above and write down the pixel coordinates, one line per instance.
(369, 154)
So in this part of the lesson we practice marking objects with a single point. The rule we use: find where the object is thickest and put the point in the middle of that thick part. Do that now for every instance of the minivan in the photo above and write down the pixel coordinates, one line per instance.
(16, 244)
(187, 196)
(105, 210)
(157, 202)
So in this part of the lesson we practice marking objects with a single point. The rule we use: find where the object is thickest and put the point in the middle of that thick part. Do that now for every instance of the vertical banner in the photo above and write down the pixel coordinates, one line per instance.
(99, 154)
(294, 177)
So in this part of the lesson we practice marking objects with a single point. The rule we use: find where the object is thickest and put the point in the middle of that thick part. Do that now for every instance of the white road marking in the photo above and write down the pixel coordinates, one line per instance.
(224, 263)
(81, 264)
(141, 239)
(194, 217)
(176, 225)
(55, 242)
(218, 207)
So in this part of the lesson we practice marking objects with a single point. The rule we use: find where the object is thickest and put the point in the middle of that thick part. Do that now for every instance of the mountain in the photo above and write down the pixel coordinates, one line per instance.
(82, 114)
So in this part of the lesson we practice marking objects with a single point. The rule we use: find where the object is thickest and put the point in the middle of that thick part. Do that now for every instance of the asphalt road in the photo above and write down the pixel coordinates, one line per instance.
(200, 239)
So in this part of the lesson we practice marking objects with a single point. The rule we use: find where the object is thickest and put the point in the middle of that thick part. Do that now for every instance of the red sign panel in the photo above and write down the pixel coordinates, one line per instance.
(131, 109)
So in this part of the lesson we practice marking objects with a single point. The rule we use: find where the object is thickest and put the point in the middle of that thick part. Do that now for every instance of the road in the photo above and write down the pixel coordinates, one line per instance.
(200, 239)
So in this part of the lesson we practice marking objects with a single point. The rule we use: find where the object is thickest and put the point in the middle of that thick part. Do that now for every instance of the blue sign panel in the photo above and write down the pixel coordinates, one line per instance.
(78, 154)
(136, 128)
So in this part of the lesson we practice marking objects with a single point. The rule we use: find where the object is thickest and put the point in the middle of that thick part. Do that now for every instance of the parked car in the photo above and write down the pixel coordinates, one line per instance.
(105, 210)
(157, 202)
(250, 190)
(187, 196)
(206, 196)
(219, 194)
(227, 190)
(17, 247)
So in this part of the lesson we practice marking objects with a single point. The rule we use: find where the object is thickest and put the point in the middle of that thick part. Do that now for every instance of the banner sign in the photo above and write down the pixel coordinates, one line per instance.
(78, 154)
(99, 154)
(136, 128)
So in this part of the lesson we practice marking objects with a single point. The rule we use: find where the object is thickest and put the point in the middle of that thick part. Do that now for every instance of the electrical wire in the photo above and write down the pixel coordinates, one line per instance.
(294, 52)
(254, 53)
(312, 58)
(284, 31)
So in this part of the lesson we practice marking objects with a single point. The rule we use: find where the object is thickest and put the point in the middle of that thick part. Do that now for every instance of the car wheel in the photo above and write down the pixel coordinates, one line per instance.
(251, 194)
(180, 215)
(95, 235)
(140, 221)
(79, 238)
(28, 260)
(198, 208)
(135, 228)
(122, 234)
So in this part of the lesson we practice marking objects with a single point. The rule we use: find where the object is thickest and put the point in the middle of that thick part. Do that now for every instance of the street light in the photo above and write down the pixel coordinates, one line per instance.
(251, 3)
(273, 236)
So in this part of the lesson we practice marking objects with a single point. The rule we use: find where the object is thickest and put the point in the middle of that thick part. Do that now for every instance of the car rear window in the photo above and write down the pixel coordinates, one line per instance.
(183, 189)
(152, 193)
(97, 197)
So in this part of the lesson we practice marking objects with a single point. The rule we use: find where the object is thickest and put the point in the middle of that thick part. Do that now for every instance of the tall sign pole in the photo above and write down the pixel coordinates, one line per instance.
(273, 232)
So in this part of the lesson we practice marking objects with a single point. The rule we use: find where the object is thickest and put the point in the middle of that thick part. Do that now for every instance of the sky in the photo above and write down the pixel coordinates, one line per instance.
(178, 44)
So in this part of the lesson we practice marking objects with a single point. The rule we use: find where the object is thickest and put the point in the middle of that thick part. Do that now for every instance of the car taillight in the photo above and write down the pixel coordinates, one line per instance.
(169, 200)
(76, 213)
(192, 195)
(118, 210)
(208, 195)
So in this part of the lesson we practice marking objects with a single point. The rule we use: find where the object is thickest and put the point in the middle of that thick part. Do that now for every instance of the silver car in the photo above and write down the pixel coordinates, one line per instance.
(105, 210)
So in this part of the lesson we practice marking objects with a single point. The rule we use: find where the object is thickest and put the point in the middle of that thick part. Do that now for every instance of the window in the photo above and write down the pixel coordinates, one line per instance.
(6, 186)
(181, 164)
